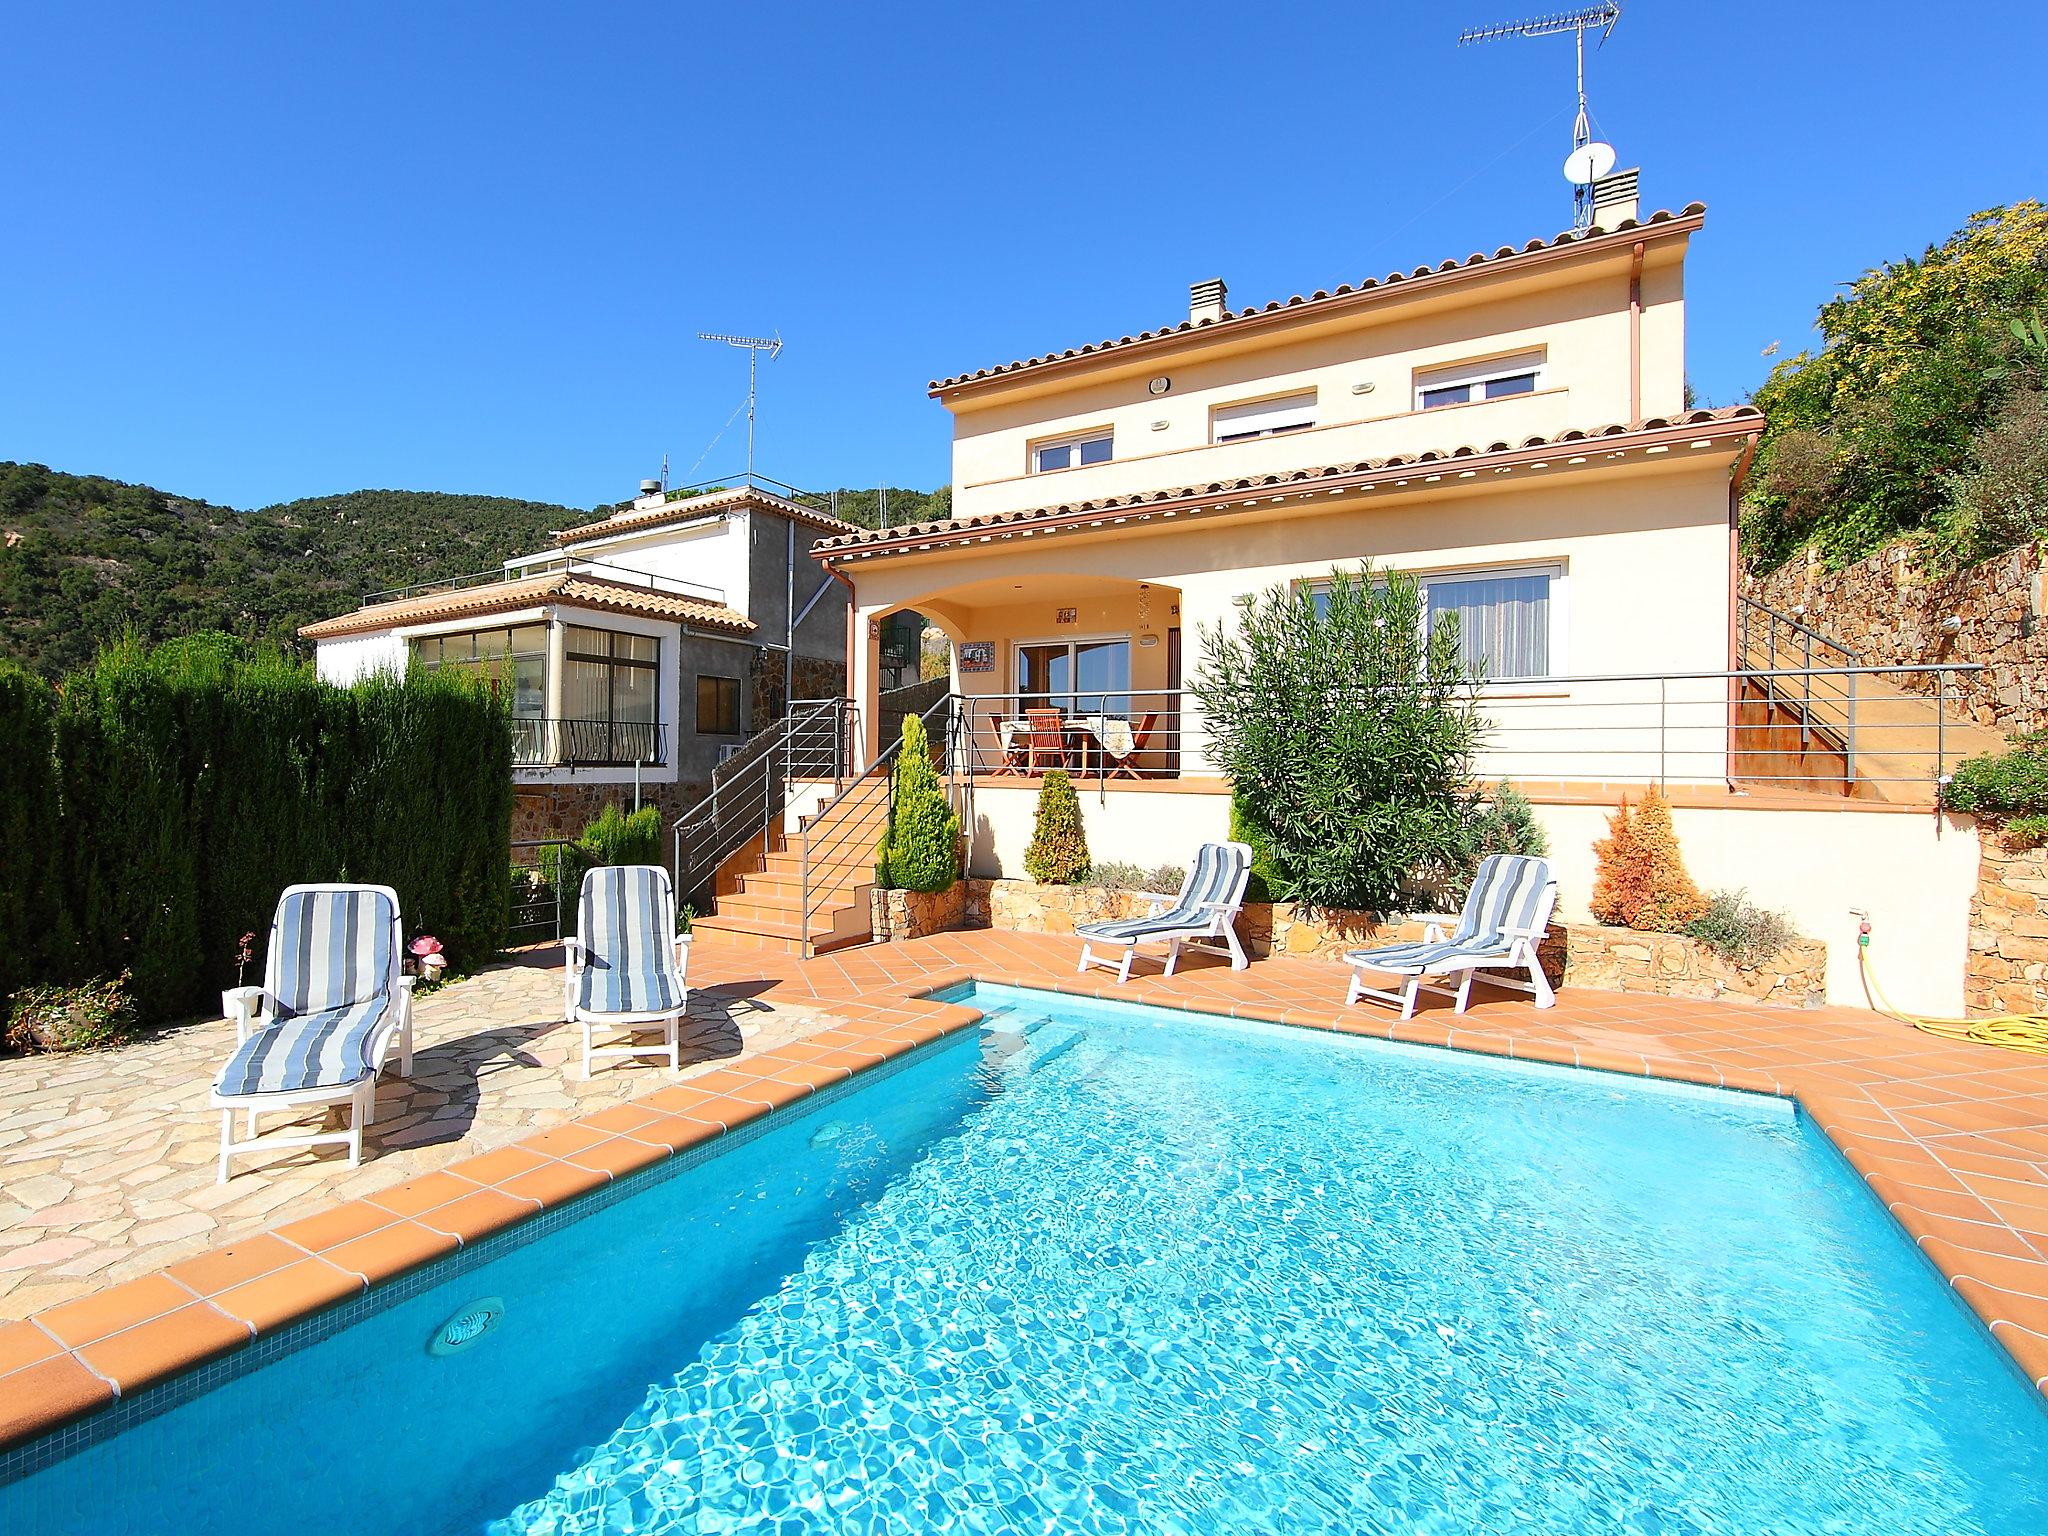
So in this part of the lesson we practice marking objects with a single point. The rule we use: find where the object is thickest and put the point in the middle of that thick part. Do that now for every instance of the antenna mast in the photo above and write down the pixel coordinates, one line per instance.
(755, 346)
(1604, 17)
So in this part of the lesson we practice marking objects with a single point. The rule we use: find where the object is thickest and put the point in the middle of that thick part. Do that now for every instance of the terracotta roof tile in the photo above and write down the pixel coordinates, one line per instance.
(575, 589)
(1729, 421)
(1689, 214)
(687, 507)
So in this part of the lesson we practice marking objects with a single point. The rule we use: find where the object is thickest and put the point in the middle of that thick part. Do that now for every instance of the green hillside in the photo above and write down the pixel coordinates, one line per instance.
(84, 560)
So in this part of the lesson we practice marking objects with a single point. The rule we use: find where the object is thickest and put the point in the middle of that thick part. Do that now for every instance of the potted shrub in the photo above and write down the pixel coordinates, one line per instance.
(917, 863)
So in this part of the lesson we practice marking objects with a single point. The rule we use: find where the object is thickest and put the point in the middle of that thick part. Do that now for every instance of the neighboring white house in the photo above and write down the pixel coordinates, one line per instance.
(640, 650)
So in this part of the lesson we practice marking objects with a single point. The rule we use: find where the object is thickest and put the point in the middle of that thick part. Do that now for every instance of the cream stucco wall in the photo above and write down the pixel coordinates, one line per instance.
(1914, 875)
(1643, 551)
(1362, 367)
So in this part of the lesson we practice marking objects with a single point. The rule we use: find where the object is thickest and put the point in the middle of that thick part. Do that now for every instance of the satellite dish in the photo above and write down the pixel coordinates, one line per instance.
(1588, 163)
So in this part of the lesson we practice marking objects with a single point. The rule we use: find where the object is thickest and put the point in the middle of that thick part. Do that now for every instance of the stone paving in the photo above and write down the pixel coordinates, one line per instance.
(109, 1157)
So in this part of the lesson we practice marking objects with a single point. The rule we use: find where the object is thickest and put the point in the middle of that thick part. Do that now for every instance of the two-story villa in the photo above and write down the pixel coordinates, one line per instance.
(1511, 428)
(641, 650)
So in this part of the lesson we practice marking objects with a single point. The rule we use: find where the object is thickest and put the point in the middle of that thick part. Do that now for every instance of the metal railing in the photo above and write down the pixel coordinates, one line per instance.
(751, 790)
(554, 743)
(1821, 684)
(537, 903)
(549, 565)
(842, 839)
(1887, 731)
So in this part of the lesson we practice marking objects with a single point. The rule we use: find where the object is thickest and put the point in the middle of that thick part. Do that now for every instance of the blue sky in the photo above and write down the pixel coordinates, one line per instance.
(266, 251)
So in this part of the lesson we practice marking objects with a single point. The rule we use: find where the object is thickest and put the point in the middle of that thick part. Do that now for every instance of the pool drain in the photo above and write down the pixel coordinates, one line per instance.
(467, 1326)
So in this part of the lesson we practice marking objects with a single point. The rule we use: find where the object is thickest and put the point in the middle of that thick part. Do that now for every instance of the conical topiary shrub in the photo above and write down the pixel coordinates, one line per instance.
(1671, 900)
(1058, 854)
(920, 849)
(1619, 878)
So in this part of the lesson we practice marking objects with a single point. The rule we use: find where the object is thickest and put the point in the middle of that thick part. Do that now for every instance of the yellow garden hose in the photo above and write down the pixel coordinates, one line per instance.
(2010, 1031)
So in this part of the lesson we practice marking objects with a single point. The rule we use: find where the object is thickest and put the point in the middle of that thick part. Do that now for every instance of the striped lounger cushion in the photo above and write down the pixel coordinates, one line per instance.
(630, 964)
(1215, 875)
(333, 968)
(1505, 894)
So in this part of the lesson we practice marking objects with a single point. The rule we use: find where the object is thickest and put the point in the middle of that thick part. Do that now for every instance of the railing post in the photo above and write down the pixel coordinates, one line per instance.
(1849, 741)
(1940, 730)
(1663, 715)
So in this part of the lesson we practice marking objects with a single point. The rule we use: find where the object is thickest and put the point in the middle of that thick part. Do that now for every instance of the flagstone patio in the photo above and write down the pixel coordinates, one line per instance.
(110, 1156)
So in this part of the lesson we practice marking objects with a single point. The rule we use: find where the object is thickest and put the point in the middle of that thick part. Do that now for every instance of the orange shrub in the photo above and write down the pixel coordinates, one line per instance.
(1641, 881)
(1620, 882)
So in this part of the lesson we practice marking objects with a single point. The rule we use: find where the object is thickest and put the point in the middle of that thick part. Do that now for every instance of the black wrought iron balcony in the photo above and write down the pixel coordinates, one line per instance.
(549, 743)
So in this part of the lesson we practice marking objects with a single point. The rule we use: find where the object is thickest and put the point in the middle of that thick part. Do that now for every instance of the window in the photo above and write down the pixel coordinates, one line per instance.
(1504, 617)
(1467, 382)
(1076, 677)
(1072, 452)
(520, 651)
(718, 705)
(608, 696)
(1263, 418)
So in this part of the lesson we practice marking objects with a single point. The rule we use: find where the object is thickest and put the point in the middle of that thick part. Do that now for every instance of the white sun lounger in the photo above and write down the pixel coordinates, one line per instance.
(1203, 914)
(1504, 920)
(332, 1004)
(626, 967)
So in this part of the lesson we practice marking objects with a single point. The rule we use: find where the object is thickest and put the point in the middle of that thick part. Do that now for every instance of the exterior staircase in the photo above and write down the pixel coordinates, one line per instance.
(797, 883)
(1811, 717)
(804, 892)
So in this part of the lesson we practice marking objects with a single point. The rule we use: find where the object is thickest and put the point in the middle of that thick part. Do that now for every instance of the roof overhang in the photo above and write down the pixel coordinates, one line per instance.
(738, 498)
(559, 591)
(1321, 307)
(1723, 434)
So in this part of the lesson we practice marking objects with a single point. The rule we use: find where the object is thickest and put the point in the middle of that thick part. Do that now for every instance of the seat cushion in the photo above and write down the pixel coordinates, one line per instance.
(1419, 958)
(331, 948)
(330, 1048)
(642, 989)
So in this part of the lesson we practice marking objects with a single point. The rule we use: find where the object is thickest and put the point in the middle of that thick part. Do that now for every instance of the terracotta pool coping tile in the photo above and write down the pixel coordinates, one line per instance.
(2023, 1277)
(337, 1224)
(477, 1214)
(495, 1167)
(220, 1269)
(24, 1344)
(678, 1133)
(561, 1140)
(103, 1313)
(423, 1193)
(769, 1093)
(285, 1295)
(554, 1182)
(164, 1345)
(37, 1398)
(2028, 1347)
(1602, 1059)
(720, 1080)
(390, 1250)
(619, 1156)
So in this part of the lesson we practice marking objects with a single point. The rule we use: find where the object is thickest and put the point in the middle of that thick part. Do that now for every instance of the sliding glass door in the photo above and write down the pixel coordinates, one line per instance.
(1076, 677)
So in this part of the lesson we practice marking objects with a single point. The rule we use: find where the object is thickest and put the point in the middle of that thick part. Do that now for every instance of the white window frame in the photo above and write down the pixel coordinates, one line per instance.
(1477, 375)
(1075, 441)
(1560, 589)
(1073, 643)
(1303, 402)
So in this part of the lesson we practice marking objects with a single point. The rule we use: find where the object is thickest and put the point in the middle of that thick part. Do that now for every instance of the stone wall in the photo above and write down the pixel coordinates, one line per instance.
(1890, 610)
(916, 914)
(544, 811)
(2007, 971)
(1572, 954)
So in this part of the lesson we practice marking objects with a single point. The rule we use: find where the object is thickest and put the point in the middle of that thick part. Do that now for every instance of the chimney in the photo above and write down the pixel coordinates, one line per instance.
(1615, 199)
(1206, 300)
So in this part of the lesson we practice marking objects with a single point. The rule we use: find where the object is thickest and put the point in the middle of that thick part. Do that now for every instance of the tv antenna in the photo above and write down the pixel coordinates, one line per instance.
(755, 346)
(1588, 161)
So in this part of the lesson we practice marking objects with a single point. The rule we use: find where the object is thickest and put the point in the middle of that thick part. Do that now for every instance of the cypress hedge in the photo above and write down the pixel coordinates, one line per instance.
(195, 781)
(29, 844)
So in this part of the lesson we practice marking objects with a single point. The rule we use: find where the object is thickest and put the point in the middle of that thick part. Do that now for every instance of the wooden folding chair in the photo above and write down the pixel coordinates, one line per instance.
(1048, 738)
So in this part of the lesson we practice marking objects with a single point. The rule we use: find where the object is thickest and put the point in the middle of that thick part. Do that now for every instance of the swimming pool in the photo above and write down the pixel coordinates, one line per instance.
(1108, 1268)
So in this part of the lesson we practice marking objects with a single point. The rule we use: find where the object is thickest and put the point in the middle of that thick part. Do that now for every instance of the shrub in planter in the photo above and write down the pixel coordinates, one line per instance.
(1347, 728)
(1740, 931)
(920, 848)
(87, 1017)
(1505, 824)
(1120, 876)
(1058, 853)
(2009, 783)
(1641, 881)
(619, 837)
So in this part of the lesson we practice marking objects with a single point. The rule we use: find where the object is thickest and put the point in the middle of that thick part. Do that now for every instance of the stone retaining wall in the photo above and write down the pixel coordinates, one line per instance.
(917, 914)
(2007, 971)
(1891, 611)
(1573, 954)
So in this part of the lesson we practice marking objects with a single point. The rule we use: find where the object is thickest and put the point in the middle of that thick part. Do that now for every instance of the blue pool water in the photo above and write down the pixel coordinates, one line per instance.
(1110, 1269)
